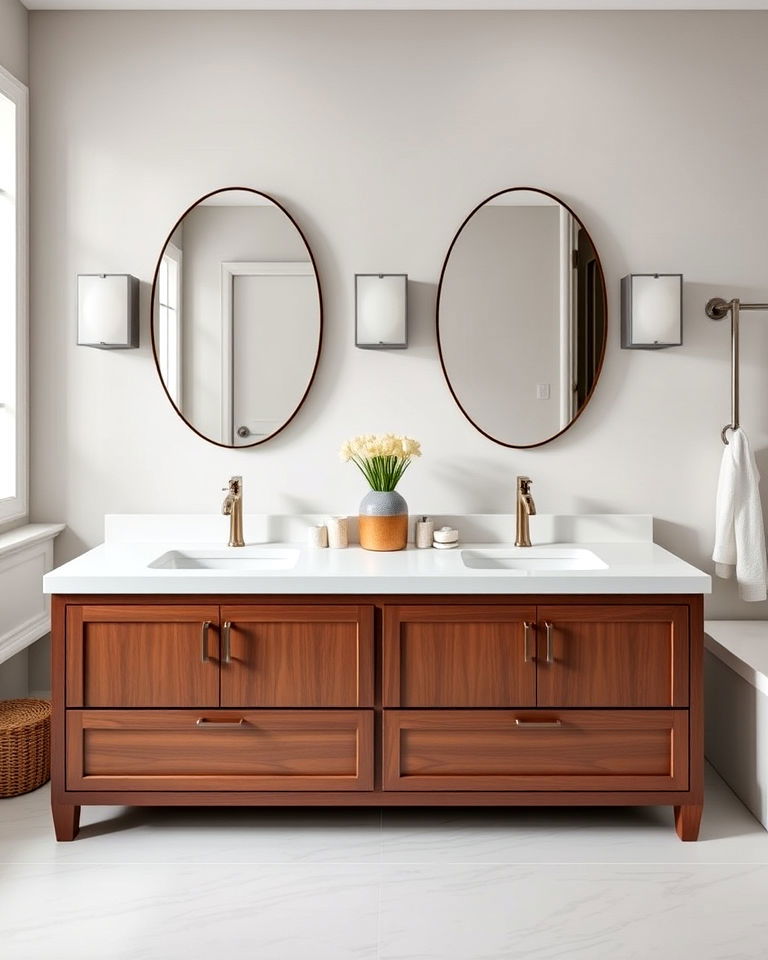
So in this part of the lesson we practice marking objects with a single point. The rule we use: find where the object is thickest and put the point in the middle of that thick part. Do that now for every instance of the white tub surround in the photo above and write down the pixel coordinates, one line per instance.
(736, 692)
(187, 555)
(26, 553)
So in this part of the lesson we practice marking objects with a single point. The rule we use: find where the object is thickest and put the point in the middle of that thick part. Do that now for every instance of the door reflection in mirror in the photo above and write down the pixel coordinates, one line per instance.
(169, 320)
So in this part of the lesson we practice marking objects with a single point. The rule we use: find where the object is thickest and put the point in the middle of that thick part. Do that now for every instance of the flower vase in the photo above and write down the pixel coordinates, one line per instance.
(383, 521)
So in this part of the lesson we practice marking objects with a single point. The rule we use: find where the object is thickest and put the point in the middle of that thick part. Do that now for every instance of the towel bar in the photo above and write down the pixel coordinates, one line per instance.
(718, 309)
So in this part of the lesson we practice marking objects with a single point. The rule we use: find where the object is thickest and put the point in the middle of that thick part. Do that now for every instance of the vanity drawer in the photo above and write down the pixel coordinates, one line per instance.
(220, 750)
(535, 750)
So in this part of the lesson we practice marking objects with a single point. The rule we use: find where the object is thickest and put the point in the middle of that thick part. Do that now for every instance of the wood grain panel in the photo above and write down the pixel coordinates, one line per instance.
(289, 656)
(133, 656)
(458, 656)
(487, 750)
(169, 750)
(613, 656)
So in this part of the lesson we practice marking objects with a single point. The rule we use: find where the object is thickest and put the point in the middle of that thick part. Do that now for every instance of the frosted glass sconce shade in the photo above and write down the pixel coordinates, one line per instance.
(651, 311)
(107, 310)
(381, 310)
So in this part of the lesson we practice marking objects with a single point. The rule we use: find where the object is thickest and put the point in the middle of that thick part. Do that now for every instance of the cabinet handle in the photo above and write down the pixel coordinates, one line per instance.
(209, 724)
(538, 724)
(226, 642)
(549, 657)
(206, 626)
(528, 627)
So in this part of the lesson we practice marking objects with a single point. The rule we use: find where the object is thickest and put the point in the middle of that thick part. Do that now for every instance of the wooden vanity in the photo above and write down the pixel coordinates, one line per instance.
(377, 700)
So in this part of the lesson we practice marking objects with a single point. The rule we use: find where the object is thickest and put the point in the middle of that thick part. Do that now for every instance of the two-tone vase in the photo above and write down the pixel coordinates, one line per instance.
(383, 521)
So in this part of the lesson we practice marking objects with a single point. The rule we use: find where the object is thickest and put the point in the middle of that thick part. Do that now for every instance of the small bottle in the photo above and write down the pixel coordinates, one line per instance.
(425, 528)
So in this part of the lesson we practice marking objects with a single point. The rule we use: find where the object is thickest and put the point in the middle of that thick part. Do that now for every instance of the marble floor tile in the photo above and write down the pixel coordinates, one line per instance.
(192, 911)
(574, 912)
(310, 884)
(729, 834)
(190, 834)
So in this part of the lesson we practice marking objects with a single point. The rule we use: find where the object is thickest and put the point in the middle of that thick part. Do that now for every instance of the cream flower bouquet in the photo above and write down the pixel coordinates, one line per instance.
(382, 459)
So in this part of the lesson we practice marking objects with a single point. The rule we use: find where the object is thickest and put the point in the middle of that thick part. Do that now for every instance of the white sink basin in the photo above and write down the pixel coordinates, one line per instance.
(239, 559)
(532, 559)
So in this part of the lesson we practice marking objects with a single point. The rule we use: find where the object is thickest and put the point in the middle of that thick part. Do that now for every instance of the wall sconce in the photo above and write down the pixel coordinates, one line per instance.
(107, 310)
(381, 310)
(651, 311)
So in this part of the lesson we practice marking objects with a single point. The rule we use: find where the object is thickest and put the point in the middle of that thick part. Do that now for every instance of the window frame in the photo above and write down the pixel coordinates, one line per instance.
(16, 508)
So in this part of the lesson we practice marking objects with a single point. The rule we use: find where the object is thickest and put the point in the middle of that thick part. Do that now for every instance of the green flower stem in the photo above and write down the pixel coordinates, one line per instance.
(382, 473)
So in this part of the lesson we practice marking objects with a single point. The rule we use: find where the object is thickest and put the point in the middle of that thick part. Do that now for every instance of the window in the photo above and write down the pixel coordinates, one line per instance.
(169, 332)
(13, 298)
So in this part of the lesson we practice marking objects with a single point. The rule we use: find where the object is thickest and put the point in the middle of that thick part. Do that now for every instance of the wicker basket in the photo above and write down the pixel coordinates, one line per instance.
(25, 745)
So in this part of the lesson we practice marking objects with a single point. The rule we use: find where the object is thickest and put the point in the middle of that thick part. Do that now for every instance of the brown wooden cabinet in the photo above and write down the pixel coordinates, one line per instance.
(377, 700)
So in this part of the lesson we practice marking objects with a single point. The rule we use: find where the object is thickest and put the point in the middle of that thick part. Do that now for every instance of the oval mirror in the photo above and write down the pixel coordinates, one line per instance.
(236, 317)
(521, 317)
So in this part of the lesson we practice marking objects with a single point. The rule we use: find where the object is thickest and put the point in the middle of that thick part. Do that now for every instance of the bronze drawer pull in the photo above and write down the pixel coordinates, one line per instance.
(528, 627)
(209, 724)
(538, 724)
(549, 657)
(226, 642)
(206, 626)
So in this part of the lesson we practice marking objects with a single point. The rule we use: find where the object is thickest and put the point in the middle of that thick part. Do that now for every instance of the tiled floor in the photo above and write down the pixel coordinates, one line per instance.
(188, 884)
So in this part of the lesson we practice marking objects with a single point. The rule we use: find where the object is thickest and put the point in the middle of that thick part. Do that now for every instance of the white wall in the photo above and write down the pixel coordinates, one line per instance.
(13, 39)
(380, 132)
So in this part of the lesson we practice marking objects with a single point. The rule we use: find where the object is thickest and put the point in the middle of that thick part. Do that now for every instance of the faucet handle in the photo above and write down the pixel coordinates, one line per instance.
(235, 485)
(523, 483)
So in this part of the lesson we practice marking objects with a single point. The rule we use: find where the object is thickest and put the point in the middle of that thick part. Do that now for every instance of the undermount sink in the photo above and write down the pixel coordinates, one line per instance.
(238, 559)
(532, 559)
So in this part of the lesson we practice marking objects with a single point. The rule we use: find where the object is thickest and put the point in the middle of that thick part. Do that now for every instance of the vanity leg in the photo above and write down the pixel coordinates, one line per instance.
(66, 820)
(687, 821)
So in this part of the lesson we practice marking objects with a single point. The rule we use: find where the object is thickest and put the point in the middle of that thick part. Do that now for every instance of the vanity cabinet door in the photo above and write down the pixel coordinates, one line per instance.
(297, 656)
(123, 655)
(461, 655)
(612, 655)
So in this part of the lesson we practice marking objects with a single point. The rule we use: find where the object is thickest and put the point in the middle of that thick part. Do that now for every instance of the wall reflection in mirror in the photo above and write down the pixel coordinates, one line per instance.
(522, 317)
(236, 317)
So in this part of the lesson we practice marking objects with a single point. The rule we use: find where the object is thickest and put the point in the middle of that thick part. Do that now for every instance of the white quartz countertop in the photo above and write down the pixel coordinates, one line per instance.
(632, 562)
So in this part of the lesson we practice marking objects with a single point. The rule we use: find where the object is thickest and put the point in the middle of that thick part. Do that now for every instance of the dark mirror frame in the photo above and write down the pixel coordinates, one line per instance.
(256, 443)
(599, 368)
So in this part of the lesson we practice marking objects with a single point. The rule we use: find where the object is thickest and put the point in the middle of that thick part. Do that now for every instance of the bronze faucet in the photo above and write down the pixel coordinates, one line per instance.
(233, 508)
(525, 508)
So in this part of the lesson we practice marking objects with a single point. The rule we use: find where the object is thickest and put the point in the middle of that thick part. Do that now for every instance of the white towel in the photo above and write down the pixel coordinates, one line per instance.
(739, 532)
